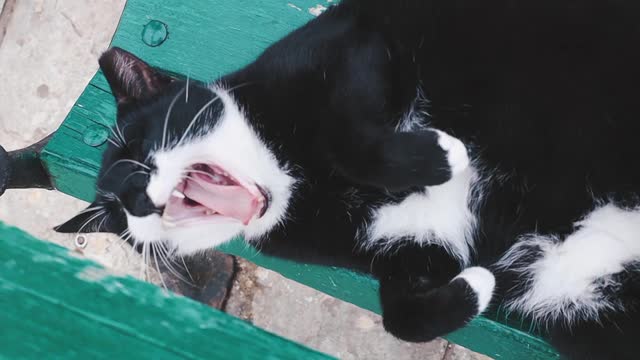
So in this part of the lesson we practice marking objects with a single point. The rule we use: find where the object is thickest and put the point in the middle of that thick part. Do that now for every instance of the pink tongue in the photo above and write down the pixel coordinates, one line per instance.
(232, 201)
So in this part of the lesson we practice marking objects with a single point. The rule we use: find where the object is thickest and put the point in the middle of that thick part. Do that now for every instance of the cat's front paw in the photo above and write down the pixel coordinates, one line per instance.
(456, 152)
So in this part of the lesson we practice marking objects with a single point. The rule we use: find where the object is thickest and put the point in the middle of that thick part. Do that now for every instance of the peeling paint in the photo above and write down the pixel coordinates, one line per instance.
(293, 6)
(44, 258)
(93, 274)
(317, 10)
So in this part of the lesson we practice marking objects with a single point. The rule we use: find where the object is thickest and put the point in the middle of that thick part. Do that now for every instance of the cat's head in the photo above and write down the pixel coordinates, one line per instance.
(184, 164)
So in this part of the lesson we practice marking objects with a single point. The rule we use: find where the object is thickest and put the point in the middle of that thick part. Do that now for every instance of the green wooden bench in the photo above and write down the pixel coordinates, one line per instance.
(58, 306)
(203, 39)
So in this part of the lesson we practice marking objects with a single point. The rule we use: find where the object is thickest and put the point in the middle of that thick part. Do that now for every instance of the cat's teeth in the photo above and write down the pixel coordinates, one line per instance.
(217, 178)
(178, 194)
(166, 222)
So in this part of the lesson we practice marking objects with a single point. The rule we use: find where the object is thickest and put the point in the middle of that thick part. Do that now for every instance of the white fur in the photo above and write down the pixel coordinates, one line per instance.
(441, 215)
(416, 119)
(145, 229)
(124, 66)
(564, 281)
(482, 282)
(456, 152)
(233, 145)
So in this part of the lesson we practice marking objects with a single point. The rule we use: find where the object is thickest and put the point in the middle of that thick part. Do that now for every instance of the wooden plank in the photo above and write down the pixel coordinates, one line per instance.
(206, 38)
(58, 306)
(74, 153)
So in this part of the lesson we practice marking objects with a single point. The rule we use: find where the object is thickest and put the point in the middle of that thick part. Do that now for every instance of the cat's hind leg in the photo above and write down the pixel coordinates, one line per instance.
(586, 288)
(417, 311)
(424, 294)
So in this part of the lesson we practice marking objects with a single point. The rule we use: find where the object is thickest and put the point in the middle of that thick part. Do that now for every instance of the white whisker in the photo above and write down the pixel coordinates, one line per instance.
(147, 260)
(114, 143)
(120, 133)
(195, 118)
(166, 118)
(119, 142)
(163, 251)
(186, 268)
(155, 260)
(97, 215)
(91, 209)
(203, 109)
(186, 97)
(123, 238)
(126, 161)
(134, 173)
(104, 219)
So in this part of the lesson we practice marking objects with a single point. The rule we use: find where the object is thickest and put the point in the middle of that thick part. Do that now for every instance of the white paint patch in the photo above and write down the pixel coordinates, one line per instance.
(317, 10)
(566, 280)
(233, 145)
(482, 282)
(442, 215)
(93, 274)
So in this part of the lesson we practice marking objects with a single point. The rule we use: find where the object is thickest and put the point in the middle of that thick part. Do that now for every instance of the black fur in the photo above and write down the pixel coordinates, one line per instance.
(543, 92)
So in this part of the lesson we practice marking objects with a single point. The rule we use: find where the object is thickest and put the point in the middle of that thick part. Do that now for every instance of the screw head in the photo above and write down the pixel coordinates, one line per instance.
(81, 241)
(95, 135)
(154, 33)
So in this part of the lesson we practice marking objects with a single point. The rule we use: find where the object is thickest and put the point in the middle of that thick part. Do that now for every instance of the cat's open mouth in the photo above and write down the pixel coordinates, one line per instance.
(208, 193)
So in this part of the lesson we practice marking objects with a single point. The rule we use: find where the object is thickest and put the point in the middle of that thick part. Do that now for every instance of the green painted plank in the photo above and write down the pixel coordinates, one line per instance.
(206, 38)
(74, 153)
(59, 306)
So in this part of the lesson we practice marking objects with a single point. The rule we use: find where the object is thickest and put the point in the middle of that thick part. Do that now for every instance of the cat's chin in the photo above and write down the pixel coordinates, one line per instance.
(187, 238)
(204, 236)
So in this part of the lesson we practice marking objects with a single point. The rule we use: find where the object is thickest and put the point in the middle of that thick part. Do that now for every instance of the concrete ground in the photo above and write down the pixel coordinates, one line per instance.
(48, 53)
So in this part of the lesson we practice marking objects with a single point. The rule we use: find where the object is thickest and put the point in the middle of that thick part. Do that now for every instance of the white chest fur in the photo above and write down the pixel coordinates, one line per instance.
(441, 215)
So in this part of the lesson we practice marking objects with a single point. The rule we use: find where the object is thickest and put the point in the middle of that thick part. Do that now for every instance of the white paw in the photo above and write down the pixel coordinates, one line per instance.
(456, 152)
(482, 282)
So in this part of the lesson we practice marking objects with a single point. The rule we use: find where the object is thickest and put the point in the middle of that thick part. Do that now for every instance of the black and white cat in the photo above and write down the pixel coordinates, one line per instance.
(339, 145)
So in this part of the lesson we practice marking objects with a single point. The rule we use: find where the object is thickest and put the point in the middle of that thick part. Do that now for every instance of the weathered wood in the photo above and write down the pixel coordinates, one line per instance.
(203, 39)
(59, 306)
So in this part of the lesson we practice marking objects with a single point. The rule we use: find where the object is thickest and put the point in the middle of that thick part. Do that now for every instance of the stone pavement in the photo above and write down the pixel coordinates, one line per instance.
(48, 53)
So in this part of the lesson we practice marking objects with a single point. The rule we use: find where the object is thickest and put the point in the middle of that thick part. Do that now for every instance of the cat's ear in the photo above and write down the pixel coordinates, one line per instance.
(93, 219)
(130, 78)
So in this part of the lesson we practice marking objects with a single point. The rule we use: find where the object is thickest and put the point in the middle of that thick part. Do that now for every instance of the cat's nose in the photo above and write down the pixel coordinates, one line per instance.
(142, 206)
